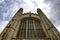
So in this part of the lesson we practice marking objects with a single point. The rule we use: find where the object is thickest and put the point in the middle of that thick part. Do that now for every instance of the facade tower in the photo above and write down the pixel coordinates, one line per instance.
(30, 26)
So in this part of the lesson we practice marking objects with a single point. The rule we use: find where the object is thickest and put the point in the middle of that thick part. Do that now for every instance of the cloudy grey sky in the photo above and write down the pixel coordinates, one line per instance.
(8, 8)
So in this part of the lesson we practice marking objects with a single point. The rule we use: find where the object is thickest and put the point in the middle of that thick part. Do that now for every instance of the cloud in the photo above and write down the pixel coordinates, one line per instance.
(54, 14)
(1, 1)
(43, 6)
(2, 25)
(8, 8)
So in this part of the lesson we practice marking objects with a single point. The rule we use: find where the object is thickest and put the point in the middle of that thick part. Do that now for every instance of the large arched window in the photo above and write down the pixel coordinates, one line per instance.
(30, 28)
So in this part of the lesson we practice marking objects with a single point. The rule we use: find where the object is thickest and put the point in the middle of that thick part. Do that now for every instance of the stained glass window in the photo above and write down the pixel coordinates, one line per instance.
(30, 28)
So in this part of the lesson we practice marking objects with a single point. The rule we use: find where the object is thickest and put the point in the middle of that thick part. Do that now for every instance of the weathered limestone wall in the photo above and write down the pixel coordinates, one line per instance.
(12, 28)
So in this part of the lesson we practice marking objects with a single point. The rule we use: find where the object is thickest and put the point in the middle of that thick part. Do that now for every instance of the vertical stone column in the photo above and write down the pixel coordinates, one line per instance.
(11, 30)
(18, 21)
(48, 25)
(43, 23)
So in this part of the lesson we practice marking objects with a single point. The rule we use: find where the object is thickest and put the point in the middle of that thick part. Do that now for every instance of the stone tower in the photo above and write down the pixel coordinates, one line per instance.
(30, 26)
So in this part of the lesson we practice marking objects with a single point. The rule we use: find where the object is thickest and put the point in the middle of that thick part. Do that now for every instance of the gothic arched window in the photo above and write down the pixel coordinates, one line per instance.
(30, 28)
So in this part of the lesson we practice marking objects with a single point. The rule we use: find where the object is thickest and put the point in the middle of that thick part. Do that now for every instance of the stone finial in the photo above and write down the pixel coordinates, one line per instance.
(39, 10)
(20, 10)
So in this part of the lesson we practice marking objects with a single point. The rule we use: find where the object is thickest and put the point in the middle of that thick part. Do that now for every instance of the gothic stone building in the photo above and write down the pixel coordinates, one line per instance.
(30, 26)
